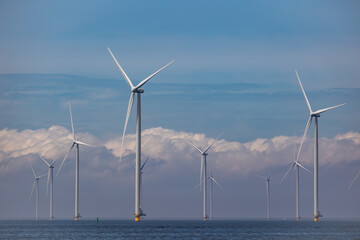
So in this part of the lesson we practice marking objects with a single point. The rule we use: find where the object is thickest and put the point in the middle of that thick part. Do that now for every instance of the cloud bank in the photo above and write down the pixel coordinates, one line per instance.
(168, 151)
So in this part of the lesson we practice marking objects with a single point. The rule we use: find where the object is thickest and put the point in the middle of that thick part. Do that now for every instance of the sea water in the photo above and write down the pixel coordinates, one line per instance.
(180, 229)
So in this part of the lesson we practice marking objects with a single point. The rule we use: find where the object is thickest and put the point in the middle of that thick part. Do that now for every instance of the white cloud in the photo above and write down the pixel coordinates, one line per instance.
(51, 143)
(235, 157)
(171, 154)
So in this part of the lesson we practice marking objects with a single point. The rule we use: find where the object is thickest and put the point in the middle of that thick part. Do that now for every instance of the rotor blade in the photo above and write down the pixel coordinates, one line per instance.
(287, 172)
(294, 149)
(47, 183)
(32, 190)
(65, 158)
(151, 76)
(327, 109)
(201, 172)
(72, 124)
(32, 169)
(303, 137)
(131, 101)
(41, 176)
(196, 186)
(46, 162)
(356, 177)
(213, 142)
(122, 71)
(144, 164)
(307, 101)
(85, 144)
(192, 145)
(213, 179)
(260, 177)
(300, 165)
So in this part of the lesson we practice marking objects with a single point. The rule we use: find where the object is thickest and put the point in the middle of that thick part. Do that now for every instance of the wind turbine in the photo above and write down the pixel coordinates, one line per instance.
(212, 179)
(203, 172)
(352, 182)
(316, 115)
(296, 164)
(137, 89)
(76, 143)
(267, 182)
(141, 173)
(51, 179)
(36, 182)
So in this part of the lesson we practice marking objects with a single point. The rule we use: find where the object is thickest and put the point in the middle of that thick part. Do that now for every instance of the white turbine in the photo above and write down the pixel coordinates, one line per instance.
(203, 171)
(267, 183)
(212, 179)
(51, 179)
(296, 164)
(75, 143)
(316, 115)
(137, 89)
(36, 182)
(352, 182)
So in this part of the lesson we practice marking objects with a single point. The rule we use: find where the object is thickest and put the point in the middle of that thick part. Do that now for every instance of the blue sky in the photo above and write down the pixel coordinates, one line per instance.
(233, 72)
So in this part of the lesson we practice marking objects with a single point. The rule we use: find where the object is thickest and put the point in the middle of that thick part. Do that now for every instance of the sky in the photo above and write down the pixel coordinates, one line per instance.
(234, 72)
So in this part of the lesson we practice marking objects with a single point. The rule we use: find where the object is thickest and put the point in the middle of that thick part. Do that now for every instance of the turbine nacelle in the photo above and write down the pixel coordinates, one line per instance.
(139, 90)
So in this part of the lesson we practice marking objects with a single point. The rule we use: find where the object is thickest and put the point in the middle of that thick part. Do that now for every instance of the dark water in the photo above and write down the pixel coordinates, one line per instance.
(180, 229)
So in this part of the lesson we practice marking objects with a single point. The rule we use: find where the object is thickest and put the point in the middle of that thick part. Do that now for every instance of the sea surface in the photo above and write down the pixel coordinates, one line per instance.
(180, 229)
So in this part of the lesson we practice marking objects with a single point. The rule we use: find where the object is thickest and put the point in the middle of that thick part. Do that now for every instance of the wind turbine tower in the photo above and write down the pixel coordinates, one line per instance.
(51, 179)
(212, 180)
(136, 90)
(36, 183)
(76, 143)
(203, 172)
(316, 115)
(267, 183)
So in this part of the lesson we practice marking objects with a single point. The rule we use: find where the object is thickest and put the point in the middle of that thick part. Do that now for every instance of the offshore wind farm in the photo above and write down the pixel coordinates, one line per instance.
(71, 73)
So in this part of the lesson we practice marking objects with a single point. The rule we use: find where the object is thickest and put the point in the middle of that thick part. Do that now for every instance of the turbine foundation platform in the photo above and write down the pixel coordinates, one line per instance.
(137, 217)
(76, 218)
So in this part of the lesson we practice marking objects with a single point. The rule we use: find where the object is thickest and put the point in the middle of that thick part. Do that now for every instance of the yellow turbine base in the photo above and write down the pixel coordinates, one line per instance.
(137, 218)
(316, 219)
(76, 218)
(205, 218)
(297, 219)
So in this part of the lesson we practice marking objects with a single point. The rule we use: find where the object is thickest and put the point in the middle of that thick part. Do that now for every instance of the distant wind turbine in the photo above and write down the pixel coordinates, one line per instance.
(75, 143)
(203, 171)
(267, 182)
(352, 182)
(36, 182)
(212, 179)
(141, 187)
(296, 164)
(316, 115)
(137, 89)
(51, 179)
